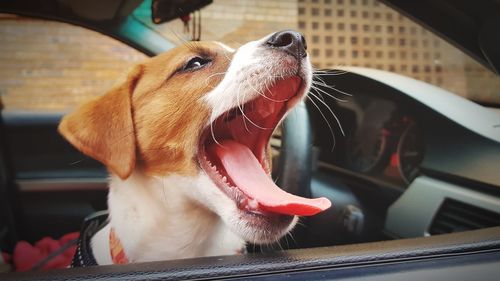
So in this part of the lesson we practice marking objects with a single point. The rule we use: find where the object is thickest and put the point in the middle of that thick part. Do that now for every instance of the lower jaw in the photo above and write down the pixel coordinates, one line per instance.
(256, 226)
(265, 229)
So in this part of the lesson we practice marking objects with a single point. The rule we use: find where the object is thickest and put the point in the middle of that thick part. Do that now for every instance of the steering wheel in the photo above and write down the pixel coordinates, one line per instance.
(295, 160)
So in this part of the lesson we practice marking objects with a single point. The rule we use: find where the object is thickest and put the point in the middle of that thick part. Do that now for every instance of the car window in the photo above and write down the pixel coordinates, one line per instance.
(363, 33)
(53, 66)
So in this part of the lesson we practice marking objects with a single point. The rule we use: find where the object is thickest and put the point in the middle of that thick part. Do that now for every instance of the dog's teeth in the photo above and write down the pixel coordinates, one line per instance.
(253, 204)
(224, 179)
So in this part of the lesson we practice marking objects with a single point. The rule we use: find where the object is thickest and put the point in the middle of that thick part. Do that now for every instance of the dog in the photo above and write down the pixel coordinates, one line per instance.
(185, 139)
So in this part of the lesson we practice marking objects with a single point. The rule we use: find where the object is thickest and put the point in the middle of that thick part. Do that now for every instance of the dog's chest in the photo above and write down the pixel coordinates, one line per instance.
(192, 242)
(155, 220)
(221, 242)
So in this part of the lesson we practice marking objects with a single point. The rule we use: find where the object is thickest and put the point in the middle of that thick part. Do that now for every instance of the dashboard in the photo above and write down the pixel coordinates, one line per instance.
(390, 127)
(408, 151)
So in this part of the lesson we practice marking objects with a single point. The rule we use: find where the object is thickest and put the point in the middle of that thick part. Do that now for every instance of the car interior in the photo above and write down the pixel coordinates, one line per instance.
(412, 170)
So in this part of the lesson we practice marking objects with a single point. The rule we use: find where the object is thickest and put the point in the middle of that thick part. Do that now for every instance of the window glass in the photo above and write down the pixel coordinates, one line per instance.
(351, 28)
(395, 43)
(53, 66)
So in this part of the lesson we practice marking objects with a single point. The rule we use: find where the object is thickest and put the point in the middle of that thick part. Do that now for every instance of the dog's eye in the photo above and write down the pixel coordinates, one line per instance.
(195, 63)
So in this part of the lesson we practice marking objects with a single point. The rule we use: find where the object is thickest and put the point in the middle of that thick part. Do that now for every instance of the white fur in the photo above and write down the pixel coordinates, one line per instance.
(148, 216)
(100, 246)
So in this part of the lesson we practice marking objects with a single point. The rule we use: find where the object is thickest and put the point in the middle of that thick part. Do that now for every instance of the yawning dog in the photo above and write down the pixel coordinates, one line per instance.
(185, 139)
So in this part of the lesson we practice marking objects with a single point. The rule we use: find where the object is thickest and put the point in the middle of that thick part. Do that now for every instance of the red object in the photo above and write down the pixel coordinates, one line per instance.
(26, 256)
(6, 257)
(185, 18)
(394, 160)
(118, 255)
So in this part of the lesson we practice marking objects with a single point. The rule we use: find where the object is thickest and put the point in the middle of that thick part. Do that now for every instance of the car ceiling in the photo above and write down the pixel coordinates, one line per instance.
(472, 26)
(89, 10)
(114, 18)
(101, 10)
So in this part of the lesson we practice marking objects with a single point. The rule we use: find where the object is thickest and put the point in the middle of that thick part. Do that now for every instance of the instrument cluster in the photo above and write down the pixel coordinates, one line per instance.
(382, 140)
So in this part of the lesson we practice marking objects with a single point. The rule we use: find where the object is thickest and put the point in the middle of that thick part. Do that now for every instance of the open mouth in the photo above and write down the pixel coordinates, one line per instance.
(233, 153)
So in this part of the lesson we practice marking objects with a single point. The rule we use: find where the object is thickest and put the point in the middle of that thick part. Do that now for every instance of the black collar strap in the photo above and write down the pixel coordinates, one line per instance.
(91, 225)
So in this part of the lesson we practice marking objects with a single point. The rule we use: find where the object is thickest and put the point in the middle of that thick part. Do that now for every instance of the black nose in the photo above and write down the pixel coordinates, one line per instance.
(289, 41)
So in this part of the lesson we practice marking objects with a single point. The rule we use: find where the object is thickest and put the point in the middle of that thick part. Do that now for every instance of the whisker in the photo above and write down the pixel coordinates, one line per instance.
(330, 73)
(316, 83)
(319, 84)
(333, 88)
(245, 116)
(318, 77)
(318, 90)
(253, 123)
(268, 83)
(241, 107)
(77, 162)
(263, 95)
(331, 111)
(322, 83)
(226, 115)
(214, 74)
(326, 120)
(311, 91)
(212, 132)
(286, 241)
(279, 245)
(291, 235)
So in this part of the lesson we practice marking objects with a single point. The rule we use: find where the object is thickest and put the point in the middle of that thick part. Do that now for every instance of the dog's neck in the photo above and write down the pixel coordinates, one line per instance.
(155, 218)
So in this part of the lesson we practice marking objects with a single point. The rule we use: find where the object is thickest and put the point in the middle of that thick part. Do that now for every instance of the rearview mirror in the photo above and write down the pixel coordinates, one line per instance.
(166, 10)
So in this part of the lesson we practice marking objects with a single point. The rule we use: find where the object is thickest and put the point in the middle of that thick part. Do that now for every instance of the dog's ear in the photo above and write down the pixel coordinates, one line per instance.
(103, 128)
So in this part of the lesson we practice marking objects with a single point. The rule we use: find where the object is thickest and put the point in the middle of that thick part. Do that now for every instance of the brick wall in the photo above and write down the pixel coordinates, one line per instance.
(368, 33)
(235, 22)
(52, 66)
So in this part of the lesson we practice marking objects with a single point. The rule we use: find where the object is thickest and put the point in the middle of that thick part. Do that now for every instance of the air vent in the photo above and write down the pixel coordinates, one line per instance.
(455, 216)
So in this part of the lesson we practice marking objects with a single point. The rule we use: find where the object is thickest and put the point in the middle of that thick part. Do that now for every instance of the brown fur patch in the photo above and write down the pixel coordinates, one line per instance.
(103, 129)
(153, 120)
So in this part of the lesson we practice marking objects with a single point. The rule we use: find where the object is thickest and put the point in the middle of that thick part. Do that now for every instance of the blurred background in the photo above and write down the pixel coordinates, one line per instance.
(66, 65)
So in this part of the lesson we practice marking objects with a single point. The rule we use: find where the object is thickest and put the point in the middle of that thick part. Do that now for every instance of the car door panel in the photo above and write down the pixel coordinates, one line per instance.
(54, 185)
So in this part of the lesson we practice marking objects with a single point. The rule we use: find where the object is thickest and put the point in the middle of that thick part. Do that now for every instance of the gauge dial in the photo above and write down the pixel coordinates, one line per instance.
(366, 154)
(410, 152)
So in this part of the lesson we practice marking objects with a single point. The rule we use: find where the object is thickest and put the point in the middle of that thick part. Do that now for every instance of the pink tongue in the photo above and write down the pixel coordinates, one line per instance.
(249, 176)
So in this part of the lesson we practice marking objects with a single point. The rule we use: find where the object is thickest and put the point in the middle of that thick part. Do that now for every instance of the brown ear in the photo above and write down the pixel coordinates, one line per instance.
(103, 128)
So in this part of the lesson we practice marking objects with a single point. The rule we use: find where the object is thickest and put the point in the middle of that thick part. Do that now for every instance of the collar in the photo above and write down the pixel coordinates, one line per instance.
(91, 225)
(118, 255)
